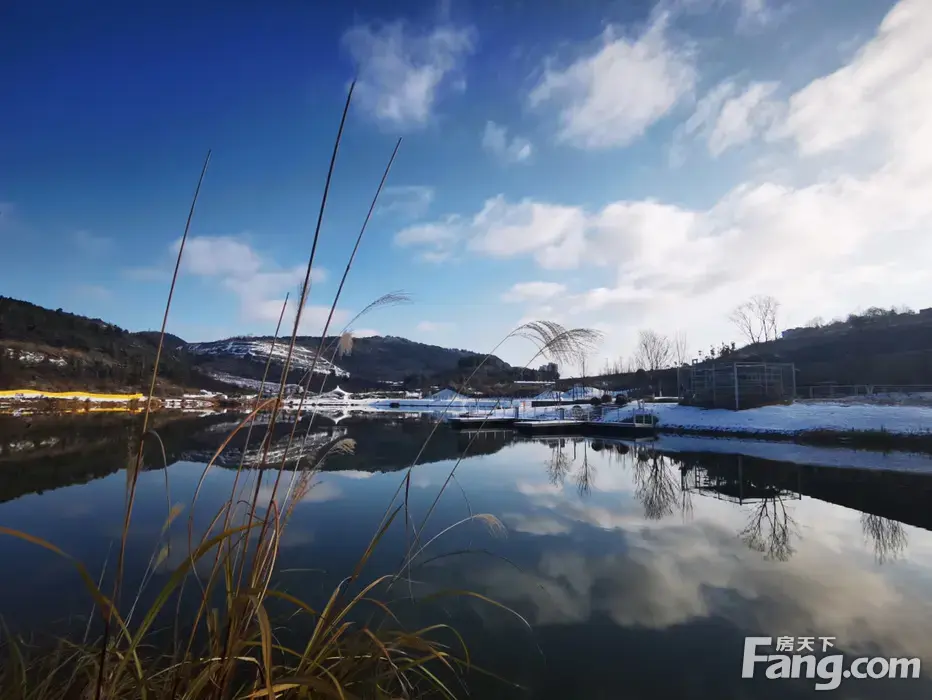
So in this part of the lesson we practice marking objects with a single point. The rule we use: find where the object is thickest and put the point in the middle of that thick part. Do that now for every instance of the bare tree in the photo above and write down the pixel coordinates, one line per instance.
(756, 319)
(654, 351)
(617, 366)
(680, 349)
(816, 322)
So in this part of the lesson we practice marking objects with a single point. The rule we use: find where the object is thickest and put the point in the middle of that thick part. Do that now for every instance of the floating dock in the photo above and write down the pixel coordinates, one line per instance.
(584, 428)
(473, 422)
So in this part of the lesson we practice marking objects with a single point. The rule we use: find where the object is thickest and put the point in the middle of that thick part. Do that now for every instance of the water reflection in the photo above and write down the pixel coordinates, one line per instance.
(767, 496)
(888, 537)
(640, 569)
(655, 485)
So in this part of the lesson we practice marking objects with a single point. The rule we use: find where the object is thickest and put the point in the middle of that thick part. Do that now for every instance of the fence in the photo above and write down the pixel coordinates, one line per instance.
(837, 391)
(737, 385)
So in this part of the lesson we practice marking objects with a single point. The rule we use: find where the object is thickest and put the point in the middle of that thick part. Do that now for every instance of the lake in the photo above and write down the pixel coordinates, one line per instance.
(640, 568)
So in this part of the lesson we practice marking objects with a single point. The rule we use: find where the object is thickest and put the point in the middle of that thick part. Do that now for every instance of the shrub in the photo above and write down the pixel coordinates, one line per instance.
(621, 400)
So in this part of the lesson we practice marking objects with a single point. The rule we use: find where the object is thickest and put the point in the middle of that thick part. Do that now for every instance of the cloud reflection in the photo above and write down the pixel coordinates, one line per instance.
(735, 556)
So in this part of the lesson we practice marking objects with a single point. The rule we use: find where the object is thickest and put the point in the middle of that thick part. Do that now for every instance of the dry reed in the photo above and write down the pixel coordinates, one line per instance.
(230, 647)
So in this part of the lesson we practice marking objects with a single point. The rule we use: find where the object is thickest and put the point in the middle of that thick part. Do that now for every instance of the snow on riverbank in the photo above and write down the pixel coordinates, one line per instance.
(794, 418)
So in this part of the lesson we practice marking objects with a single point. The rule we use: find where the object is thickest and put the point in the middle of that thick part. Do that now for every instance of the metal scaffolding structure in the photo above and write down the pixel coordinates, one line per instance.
(737, 385)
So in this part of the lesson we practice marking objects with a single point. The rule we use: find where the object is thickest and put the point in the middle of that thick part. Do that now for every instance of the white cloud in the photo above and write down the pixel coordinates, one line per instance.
(351, 474)
(313, 318)
(146, 274)
(824, 240)
(433, 326)
(754, 14)
(533, 291)
(882, 94)
(552, 233)
(91, 244)
(93, 292)
(611, 97)
(257, 282)
(402, 70)
(436, 239)
(495, 141)
(742, 116)
(535, 524)
(725, 119)
(319, 492)
(411, 201)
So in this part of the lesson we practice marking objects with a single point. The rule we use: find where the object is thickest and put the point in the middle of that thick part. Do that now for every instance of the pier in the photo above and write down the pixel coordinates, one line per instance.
(584, 428)
(473, 422)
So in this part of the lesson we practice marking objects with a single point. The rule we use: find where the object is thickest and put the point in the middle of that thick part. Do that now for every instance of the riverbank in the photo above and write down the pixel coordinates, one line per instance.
(867, 426)
(14, 395)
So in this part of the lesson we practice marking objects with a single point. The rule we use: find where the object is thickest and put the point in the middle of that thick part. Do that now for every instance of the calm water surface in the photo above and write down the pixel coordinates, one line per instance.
(640, 568)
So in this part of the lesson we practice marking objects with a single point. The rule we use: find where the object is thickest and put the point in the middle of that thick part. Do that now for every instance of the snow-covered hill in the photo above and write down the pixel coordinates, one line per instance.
(258, 349)
(270, 388)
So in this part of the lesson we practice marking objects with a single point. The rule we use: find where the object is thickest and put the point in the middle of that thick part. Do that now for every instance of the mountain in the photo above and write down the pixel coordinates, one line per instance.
(372, 359)
(172, 342)
(878, 347)
(57, 350)
(53, 349)
(246, 357)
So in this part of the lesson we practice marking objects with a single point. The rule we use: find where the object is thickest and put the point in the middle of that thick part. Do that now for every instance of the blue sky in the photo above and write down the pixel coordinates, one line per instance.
(621, 165)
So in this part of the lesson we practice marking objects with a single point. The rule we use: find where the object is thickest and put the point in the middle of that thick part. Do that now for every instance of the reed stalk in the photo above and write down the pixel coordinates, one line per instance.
(232, 648)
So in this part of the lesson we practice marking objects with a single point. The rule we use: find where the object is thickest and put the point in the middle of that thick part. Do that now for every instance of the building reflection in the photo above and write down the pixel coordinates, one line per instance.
(666, 483)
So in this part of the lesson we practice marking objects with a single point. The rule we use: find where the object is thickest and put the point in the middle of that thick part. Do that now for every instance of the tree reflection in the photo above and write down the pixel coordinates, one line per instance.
(585, 475)
(771, 529)
(887, 536)
(686, 503)
(655, 485)
(655, 482)
(559, 464)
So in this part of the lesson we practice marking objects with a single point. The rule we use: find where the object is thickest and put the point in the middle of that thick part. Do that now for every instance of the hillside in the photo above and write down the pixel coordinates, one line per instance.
(893, 348)
(54, 349)
(878, 348)
(373, 360)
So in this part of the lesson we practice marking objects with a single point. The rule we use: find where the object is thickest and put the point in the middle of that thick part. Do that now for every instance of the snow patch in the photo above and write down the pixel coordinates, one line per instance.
(792, 418)
(254, 349)
(34, 358)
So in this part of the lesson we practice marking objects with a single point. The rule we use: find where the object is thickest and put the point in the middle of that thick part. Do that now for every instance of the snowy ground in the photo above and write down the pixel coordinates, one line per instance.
(840, 417)
(800, 416)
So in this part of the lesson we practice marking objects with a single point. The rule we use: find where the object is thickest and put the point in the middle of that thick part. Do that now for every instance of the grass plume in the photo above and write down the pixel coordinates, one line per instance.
(232, 646)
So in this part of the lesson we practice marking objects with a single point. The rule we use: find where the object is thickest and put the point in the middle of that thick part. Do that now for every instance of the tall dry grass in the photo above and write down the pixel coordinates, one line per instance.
(211, 630)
